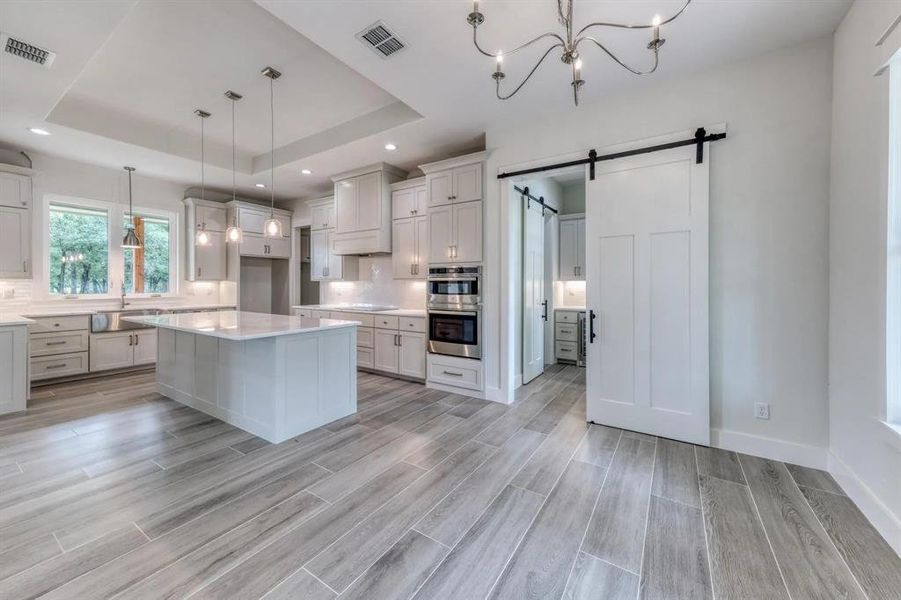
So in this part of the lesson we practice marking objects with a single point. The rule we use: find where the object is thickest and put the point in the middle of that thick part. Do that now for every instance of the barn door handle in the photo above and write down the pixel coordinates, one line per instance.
(544, 311)
(591, 334)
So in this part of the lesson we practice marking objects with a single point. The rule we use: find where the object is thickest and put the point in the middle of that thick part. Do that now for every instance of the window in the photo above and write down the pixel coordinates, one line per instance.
(79, 250)
(147, 268)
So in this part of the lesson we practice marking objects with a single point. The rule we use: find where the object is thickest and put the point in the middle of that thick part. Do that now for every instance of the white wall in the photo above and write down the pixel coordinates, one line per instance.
(573, 198)
(65, 177)
(376, 285)
(863, 458)
(768, 229)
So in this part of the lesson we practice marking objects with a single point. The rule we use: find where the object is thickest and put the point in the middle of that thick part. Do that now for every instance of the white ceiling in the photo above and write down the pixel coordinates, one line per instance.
(130, 73)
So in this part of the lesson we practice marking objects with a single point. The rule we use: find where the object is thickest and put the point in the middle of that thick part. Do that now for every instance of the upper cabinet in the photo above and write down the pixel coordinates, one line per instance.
(251, 218)
(15, 225)
(409, 199)
(410, 231)
(205, 263)
(322, 214)
(452, 186)
(325, 264)
(363, 209)
(454, 194)
(572, 248)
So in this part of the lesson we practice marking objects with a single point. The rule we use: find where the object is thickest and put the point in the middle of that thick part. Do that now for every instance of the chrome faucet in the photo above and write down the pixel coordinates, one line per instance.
(124, 303)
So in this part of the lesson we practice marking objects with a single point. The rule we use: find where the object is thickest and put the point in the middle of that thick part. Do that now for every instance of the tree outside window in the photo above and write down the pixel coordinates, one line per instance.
(79, 250)
(147, 268)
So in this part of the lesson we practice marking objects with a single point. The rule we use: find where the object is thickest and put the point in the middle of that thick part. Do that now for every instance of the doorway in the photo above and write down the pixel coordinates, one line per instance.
(308, 289)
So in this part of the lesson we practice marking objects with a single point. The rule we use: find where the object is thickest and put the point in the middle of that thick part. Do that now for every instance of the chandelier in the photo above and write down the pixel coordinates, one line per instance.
(569, 45)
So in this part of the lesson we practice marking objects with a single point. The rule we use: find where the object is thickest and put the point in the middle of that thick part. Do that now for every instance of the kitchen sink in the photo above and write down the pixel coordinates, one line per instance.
(106, 322)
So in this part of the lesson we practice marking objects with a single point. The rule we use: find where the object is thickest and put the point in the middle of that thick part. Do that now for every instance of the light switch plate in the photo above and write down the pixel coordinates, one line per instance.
(761, 410)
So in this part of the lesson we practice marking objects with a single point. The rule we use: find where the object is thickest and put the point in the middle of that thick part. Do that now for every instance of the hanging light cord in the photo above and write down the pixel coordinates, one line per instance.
(202, 162)
(234, 197)
(272, 147)
(131, 213)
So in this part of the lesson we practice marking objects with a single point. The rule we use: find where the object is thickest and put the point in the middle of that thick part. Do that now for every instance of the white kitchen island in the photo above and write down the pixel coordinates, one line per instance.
(272, 375)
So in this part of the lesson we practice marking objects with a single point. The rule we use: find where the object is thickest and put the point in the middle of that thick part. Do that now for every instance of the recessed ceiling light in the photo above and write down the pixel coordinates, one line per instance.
(306, 172)
(38, 131)
(390, 147)
(261, 185)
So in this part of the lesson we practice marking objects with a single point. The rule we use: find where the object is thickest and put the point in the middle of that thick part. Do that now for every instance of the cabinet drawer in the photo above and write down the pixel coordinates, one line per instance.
(364, 319)
(567, 350)
(320, 314)
(386, 322)
(45, 367)
(47, 324)
(303, 312)
(365, 358)
(365, 337)
(458, 373)
(44, 344)
(567, 333)
(416, 324)
(566, 316)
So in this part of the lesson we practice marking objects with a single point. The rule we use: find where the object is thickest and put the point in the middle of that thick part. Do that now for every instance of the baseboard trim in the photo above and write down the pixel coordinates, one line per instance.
(886, 523)
(774, 449)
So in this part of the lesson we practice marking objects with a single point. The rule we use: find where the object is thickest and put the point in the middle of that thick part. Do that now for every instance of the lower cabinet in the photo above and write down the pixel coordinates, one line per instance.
(123, 349)
(386, 350)
(411, 361)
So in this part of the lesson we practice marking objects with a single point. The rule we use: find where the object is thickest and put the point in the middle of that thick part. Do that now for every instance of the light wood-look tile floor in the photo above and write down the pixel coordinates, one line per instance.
(109, 490)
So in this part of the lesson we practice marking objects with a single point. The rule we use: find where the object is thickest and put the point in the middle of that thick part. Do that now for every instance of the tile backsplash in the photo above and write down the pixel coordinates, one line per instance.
(569, 293)
(376, 285)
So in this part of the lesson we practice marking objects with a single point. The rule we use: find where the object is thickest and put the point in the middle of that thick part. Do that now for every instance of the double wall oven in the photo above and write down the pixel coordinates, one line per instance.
(455, 311)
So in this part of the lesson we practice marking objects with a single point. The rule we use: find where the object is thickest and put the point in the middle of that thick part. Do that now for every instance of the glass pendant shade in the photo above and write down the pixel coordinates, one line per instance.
(272, 228)
(203, 238)
(234, 234)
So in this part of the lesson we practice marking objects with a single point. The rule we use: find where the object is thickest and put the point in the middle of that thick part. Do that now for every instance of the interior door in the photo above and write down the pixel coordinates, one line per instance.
(534, 303)
(647, 293)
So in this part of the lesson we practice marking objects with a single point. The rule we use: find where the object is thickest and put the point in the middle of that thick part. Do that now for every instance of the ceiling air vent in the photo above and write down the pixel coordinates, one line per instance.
(27, 51)
(381, 40)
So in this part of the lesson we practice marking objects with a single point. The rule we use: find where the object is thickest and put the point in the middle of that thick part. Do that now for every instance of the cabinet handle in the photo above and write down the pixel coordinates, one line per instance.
(198, 271)
(453, 374)
(137, 339)
(62, 343)
(131, 340)
(24, 264)
(56, 366)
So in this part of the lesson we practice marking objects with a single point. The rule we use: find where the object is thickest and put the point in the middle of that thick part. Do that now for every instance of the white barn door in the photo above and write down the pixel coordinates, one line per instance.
(647, 267)
(534, 299)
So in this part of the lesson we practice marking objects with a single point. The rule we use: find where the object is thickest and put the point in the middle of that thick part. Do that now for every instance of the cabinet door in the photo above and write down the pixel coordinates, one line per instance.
(403, 203)
(335, 261)
(213, 218)
(253, 245)
(468, 232)
(403, 248)
(569, 251)
(319, 254)
(440, 188)
(441, 234)
(346, 205)
(322, 217)
(412, 355)
(421, 254)
(112, 351)
(15, 242)
(145, 347)
(252, 221)
(278, 247)
(468, 183)
(580, 249)
(209, 261)
(422, 200)
(385, 350)
(15, 190)
(369, 201)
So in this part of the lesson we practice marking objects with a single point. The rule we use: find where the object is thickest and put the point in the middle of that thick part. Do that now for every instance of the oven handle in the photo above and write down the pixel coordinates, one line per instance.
(472, 313)
(453, 279)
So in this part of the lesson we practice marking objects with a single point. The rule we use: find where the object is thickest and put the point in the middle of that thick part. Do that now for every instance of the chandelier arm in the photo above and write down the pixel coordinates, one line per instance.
(618, 61)
(627, 26)
(532, 72)
(517, 49)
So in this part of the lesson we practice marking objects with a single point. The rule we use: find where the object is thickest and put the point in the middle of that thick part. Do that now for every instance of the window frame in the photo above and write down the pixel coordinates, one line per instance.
(116, 214)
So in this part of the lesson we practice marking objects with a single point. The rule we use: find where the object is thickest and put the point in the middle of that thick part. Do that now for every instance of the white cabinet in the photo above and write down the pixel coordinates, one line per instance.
(409, 199)
(363, 210)
(455, 233)
(410, 247)
(205, 263)
(144, 347)
(572, 249)
(123, 349)
(386, 350)
(15, 242)
(451, 186)
(264, 247)
(251, 219)
(15, 190)
(325, 265)
(13, 368)
(322, 214)
(412, 353)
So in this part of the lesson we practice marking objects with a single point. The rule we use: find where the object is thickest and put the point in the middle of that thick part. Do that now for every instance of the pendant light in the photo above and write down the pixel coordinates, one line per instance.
(272, 228)
(202, 236)
(233, 234)
(131, 239)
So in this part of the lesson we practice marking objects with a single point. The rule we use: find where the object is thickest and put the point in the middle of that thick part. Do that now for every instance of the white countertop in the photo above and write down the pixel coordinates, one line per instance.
(234, 325)
(13, 319)
(362, 308)
(67, 311)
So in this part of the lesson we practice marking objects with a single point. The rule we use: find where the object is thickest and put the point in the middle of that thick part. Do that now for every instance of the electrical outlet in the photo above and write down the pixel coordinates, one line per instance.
(761, 410)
